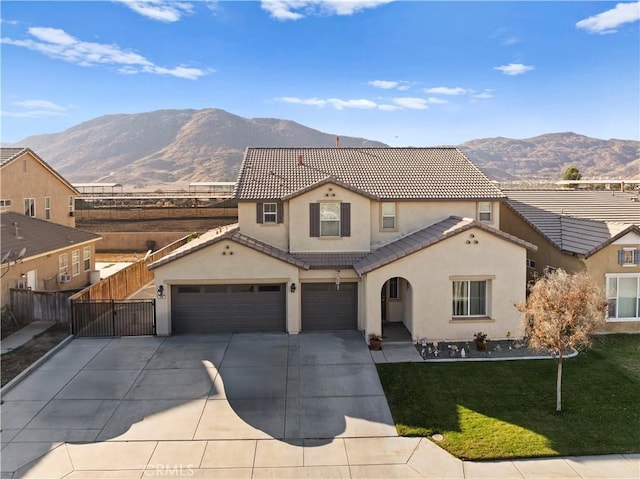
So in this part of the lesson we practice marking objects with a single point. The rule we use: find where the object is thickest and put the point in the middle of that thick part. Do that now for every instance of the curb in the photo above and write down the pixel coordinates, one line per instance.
(14, 382)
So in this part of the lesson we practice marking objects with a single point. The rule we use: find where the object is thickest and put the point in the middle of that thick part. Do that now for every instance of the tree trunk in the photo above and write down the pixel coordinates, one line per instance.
(559, 384)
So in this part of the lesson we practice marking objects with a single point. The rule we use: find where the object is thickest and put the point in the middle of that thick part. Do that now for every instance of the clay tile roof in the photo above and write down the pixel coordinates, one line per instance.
(578, 222)
(382, 173)
(232, 233)
(426, 237)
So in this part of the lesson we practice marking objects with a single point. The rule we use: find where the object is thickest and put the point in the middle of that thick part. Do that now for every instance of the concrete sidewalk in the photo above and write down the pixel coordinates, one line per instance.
(23, 335)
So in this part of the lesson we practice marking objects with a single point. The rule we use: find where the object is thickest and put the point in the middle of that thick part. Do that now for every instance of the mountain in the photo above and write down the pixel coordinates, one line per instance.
(181, 146)
(170, 146)
(547, 156)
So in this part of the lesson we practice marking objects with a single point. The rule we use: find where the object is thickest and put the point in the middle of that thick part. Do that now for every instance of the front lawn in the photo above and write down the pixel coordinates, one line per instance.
(506, 409)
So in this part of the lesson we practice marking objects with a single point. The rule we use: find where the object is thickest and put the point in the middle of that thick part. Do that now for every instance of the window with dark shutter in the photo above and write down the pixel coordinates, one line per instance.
(280, 213)
(628, 257)
(345, 219)
(314, 220)
(259, 217)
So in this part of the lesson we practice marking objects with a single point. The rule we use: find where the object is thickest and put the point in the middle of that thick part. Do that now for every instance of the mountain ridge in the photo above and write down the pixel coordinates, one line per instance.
(186, 145)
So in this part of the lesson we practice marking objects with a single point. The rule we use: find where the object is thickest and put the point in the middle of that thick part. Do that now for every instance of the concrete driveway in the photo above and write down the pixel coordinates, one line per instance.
(291, 388)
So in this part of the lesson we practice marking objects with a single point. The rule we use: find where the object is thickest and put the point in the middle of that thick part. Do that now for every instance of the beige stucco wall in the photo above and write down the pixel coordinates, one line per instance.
(210, 266)
(273, 234)
(429, 273)
(299, 239)
(26, 177)
(606, 261)
(415, 215)
(46, 267)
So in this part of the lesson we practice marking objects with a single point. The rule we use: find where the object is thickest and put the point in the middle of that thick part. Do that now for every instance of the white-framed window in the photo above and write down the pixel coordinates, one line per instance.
(470, 298)
(75, 262)
(330, 219)
(63, 263)
(628, 257)
(484, 211)
(30, 207)
(4, 203)
(72, 205)
(623, 296)
(47, 208)
(270, 213)
(394, 291)
(531, 263)
(388, 216)
(86, 257)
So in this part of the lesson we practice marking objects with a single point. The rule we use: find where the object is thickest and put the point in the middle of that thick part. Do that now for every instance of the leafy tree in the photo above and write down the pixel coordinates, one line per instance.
(562, 312)
(572, 173)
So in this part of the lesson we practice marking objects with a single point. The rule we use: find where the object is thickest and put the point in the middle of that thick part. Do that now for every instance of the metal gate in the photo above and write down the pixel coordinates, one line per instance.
(113, 318)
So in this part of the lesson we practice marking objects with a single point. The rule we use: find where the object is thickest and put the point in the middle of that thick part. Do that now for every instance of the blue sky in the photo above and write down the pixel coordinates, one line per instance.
(406, 73)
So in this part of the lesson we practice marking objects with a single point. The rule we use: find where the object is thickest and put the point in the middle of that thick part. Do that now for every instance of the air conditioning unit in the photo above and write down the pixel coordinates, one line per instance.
(65, 277)
(22, 284)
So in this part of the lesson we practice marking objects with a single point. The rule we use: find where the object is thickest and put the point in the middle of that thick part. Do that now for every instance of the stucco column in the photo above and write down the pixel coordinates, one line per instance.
(163, 323)
(294, 306)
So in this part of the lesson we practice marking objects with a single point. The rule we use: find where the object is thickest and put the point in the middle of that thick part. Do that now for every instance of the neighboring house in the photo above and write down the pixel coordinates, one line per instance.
(593, 231)
(31, 187)
(351, 238)
(42, 255)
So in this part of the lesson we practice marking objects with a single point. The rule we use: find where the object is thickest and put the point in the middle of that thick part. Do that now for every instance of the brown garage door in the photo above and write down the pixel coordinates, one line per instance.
(325, 308)
(228, 308)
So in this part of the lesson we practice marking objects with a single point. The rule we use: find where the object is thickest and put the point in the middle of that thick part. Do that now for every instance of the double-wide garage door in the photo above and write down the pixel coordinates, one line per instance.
(324, 307)
(229, 308)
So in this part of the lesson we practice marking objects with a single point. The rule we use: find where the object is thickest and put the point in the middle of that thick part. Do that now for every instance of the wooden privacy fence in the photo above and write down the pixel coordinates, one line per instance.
(127, 281)
(28, 306)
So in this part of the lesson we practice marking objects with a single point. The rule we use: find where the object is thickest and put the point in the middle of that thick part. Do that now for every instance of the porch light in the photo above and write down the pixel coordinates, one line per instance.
(160, 291)
(293, 287)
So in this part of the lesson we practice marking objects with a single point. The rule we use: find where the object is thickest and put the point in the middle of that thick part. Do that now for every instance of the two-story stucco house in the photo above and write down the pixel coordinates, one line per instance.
(40, 247)
(351, 238)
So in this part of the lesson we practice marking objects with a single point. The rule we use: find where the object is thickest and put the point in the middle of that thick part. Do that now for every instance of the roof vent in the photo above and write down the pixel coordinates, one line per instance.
(337, 142)
(300, 160)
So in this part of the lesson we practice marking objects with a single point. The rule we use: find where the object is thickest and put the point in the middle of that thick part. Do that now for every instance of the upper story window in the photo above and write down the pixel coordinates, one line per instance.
(47, 208)
(72, 205)
(63, 263)
(4, 203)
(484, 211)
(388, 216)
(30, 207)
(628, 257)
(75, 262)
(329, 219)
(269, 213)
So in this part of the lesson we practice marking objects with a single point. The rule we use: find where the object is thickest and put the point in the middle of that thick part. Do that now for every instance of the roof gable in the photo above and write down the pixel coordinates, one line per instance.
(9, 155)
(433, 234)
(441, 173)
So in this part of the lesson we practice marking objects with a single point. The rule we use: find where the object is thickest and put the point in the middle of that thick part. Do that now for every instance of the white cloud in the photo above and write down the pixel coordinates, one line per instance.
(484, 95)
(36, 109)
(607, 22)
(340, 104)
(513, 69)
(161, 10)
(56, 43)
(337, 103)
(412, 103)
(443, 90)
(510, 41)
(297, 9)
(384, 84)
(10, 22)
(436, 101)
(389, 107)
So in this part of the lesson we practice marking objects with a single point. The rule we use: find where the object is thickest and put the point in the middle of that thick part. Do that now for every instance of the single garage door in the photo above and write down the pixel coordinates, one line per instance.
(228, 308)
(325, 308)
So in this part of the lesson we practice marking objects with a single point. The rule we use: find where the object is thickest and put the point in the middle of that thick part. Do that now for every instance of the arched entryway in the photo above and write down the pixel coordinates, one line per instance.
(396, 309)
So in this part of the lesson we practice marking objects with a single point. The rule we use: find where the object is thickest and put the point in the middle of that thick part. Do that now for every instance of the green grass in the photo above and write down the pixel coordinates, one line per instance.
(498, 410)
